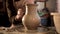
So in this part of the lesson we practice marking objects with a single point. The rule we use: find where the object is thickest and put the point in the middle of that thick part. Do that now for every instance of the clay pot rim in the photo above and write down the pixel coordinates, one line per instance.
(55, 14)
(32, 5)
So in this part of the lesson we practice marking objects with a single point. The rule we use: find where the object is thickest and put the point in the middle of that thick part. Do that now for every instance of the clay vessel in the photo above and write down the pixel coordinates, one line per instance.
(56, 18)
(31, 18)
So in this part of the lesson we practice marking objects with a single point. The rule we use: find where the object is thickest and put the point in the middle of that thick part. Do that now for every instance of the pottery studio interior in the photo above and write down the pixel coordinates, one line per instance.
(29, 16)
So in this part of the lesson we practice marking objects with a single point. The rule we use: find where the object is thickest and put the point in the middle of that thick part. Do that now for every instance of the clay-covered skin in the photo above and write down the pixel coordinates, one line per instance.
(14, 7)
(19, 15)
(19, 4)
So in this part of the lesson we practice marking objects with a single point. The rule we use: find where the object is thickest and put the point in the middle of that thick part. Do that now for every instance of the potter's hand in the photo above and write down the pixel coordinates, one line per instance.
(18, 17)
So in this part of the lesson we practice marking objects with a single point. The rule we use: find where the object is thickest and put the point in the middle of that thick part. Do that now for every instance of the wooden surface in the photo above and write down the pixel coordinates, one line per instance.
(40, 30)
